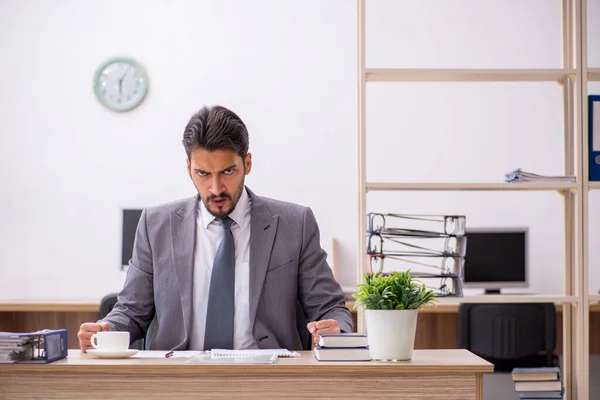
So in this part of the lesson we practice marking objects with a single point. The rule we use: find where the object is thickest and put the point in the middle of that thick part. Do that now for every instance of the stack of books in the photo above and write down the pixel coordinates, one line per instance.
(343, 347)
(538, 383)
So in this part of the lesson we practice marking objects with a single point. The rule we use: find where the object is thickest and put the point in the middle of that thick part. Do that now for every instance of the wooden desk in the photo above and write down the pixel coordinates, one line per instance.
(433, 374)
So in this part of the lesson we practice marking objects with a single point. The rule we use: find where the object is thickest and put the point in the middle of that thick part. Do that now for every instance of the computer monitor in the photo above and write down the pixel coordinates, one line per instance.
(496, 258)
(131, 219)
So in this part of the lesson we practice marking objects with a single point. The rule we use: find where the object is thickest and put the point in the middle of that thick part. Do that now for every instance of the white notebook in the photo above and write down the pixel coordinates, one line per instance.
(214, 353)
(207, 359)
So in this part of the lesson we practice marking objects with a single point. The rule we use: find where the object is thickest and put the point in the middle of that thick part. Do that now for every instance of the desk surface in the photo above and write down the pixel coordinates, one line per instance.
(454, 360)
(432, 374)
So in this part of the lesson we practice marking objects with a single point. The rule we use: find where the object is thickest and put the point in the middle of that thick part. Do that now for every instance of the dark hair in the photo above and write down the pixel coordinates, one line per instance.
(216, 128)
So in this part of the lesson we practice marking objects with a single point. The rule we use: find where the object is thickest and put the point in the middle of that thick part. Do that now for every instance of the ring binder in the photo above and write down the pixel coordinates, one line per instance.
(435, 256)
(34, 347)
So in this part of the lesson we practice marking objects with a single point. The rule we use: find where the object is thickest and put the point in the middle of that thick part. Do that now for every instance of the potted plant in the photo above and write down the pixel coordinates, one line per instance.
(391, 302)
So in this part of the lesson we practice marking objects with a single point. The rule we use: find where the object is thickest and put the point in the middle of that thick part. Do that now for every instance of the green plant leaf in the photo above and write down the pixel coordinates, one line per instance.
(393, 291)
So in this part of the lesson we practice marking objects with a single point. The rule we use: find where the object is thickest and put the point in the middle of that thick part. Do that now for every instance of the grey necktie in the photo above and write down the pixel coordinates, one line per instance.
(218, 333)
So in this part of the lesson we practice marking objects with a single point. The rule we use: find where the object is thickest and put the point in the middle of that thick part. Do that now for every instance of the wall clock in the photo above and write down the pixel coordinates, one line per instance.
(121, 84)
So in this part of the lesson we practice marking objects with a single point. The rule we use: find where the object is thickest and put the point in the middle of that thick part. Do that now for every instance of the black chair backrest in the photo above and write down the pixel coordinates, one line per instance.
(509, 334)
(106, 304)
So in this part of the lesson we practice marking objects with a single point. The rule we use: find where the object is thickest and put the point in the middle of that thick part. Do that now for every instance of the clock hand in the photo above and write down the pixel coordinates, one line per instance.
(121, 80)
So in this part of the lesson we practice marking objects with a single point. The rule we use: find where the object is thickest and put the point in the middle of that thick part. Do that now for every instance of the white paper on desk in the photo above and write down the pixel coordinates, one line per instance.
(217, 353)
(162, 354)
(257, 359)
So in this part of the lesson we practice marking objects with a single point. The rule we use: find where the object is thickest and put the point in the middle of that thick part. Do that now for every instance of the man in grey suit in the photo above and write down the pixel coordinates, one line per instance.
(225, 268)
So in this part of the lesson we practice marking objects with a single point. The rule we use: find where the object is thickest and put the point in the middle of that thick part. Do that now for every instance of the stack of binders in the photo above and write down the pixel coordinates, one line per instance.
(342, 347)
(538, 383)
(432, 247)
(34, 347)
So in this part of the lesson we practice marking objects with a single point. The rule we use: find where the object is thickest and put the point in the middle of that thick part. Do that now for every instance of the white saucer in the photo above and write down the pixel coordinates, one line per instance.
(112, 354)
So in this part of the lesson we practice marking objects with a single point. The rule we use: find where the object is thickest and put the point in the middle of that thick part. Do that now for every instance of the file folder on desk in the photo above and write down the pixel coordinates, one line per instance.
(594, 137)
(33, 347)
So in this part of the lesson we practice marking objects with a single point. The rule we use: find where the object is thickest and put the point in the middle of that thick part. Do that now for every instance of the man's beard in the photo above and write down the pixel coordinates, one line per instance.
(233, 200)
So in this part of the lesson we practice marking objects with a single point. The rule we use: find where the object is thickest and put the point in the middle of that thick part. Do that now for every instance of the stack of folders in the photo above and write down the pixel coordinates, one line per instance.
(33, 347)
(518, 175)
(538, 383)
(431, 247)
(342, 347)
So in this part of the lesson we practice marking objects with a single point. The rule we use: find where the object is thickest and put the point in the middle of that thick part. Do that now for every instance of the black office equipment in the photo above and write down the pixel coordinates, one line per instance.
(509, 335)
(496, 258)
(131, 219)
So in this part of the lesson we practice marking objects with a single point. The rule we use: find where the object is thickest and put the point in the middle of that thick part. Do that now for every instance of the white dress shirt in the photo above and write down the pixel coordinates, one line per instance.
(208, 237)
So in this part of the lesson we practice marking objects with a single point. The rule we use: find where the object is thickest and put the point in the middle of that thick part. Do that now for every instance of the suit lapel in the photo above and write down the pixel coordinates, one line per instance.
(183, 240)
(263, 228)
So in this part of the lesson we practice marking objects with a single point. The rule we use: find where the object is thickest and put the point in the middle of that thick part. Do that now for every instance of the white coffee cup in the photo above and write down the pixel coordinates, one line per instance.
(110, 341)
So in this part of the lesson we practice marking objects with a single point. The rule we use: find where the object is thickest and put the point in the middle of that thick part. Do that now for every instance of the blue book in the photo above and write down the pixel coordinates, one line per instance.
(594, 137)
(541, 395)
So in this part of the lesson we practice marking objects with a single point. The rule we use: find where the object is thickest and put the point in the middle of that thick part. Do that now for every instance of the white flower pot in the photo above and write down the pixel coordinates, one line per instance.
(391, 334)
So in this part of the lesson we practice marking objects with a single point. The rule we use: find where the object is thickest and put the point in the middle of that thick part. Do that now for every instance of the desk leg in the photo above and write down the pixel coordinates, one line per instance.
(479, 386)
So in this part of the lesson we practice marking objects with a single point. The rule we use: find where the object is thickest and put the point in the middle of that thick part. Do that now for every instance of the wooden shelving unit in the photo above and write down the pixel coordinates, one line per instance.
(560, 186)
(467, 75)
(594, 185)
(573, 77)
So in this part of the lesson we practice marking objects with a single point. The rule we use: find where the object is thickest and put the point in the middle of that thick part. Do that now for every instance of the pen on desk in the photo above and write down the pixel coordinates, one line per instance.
(169, 354)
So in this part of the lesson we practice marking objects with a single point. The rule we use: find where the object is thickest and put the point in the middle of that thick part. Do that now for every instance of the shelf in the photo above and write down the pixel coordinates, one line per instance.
(510, 298)
(468, 75)
(594, 74)
(450, 305)
(594, 298)
(49, 305)
(472, 186)
(594, 185)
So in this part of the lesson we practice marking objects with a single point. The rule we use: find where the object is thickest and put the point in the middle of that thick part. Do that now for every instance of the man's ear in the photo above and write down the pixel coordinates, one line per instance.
(248, 163)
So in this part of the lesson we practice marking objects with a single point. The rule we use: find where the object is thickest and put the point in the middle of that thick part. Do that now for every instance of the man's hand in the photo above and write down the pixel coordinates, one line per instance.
(86, 331)
(316, 328)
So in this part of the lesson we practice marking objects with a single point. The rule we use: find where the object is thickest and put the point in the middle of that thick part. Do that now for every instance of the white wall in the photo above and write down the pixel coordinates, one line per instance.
(68, 166)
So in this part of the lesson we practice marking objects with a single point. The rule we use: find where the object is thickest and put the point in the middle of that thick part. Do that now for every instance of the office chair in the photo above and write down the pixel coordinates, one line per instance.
(109, 301)
(106, 305)
(509, 335)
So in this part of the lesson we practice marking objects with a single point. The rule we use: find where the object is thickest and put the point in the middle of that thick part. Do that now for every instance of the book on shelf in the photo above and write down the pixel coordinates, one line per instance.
(536, 374)
(342, 353)
(541, 395)
(333, 340)
(538, 386)
(538, 383)
(518, 175)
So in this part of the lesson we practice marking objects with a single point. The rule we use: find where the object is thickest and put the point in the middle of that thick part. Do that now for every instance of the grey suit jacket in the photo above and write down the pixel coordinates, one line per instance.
(287, 264)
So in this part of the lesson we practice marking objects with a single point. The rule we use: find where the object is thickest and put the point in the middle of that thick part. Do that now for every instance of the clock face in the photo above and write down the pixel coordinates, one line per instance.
(121, 84)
